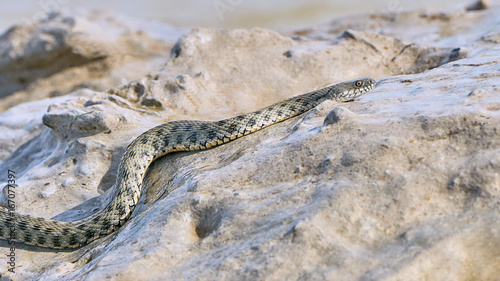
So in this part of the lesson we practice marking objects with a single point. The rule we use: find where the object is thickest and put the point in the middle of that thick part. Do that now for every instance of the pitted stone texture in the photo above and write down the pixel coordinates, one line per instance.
(401, 184)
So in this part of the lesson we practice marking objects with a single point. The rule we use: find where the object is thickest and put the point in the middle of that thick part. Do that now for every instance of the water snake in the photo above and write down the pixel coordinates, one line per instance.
(163, 139)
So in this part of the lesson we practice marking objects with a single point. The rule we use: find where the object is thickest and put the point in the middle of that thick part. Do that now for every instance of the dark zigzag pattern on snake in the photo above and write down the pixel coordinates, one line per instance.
(156, 142)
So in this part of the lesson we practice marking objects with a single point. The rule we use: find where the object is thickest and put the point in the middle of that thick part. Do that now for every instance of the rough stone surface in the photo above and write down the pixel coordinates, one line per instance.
(401, 184)
(94, 50)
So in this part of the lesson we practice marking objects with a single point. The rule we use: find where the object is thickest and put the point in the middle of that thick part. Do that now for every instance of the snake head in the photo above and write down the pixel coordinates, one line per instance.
(352, 89)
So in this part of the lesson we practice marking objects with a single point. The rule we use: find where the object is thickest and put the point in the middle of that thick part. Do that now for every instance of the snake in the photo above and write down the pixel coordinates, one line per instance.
(170, 137)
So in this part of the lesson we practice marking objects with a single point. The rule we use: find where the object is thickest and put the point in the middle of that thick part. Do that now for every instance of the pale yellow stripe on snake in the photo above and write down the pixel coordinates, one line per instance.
(156, 142)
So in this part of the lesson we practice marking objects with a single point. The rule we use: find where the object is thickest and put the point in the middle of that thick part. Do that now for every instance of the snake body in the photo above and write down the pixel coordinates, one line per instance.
(156, 142)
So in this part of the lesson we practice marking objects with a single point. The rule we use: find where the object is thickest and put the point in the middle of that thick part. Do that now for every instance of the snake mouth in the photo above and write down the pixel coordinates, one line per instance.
(351, 94)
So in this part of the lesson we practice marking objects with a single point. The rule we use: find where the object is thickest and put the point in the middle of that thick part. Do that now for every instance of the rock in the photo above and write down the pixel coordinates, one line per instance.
(337, 115)
(63, 53)
(400, 184)
(478, 5)
(48, 191)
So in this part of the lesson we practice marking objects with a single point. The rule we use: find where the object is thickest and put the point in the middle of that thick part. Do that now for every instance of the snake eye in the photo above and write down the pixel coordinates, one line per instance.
(358, 83)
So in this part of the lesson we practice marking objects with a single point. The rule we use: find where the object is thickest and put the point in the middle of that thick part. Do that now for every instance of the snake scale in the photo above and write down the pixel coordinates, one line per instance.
(156, 142)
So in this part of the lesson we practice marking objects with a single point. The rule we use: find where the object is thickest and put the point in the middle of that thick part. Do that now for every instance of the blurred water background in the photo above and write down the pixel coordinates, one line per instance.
(221, 13)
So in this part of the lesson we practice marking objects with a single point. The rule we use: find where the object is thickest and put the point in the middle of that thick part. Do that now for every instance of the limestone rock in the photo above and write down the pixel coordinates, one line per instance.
(95, 50)
(401, 184)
